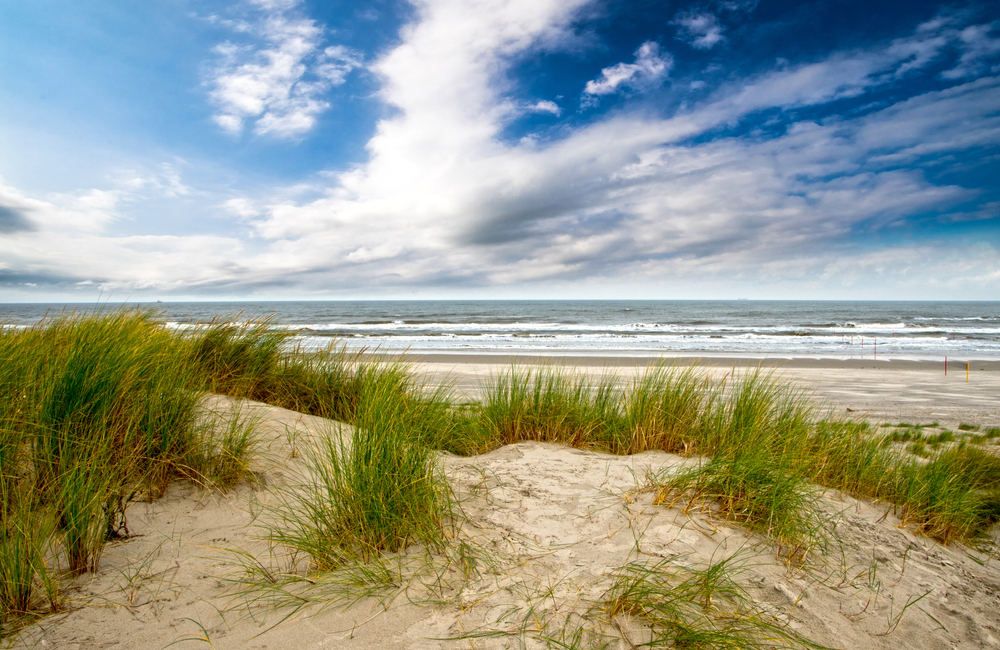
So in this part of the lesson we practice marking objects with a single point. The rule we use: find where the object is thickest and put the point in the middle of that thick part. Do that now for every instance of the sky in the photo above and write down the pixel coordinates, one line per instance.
(539, 149)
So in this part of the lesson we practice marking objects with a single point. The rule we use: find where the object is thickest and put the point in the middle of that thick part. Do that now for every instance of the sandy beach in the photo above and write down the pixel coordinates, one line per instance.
(542, 533)
(883, 391)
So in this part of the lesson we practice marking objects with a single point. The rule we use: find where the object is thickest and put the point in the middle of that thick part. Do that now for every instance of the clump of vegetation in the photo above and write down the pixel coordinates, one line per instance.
(940, 438)
(545, 405)
(905, 435)
(255, 360)
(956, 496)
(768, 498)
(227, 444)
(96, 411)
(695, 607)
(758, 436)
(367, 492)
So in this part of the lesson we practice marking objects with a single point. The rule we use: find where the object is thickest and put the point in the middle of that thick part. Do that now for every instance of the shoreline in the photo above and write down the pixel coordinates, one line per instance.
(592, 359)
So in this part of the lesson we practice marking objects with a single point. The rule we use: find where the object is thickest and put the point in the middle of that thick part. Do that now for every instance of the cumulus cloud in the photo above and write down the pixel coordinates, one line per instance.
(546, 106)
(241, 208)
(445, 200)
(650, 68)
(701, 31)
(626, 195)
(277, 83)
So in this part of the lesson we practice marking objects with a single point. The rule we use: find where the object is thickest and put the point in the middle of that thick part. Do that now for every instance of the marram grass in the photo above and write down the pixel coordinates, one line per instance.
(366, 492)
(695, 607)
(94, 411)
(767, 448)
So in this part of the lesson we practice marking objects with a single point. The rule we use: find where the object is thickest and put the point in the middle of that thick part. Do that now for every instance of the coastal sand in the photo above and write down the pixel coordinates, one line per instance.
(543, 528)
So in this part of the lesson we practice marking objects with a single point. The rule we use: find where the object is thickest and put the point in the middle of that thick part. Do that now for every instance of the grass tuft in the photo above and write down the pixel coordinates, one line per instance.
(373, 492)
(768, 498)
(695, 607)
(96, 410)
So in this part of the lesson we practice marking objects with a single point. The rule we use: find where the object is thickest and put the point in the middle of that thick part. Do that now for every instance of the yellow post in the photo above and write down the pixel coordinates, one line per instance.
(966, 372)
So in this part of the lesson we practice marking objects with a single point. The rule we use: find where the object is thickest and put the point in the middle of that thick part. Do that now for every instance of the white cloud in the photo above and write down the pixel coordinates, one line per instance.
(278, 83)
(445, 200)
(546, 106)
(649, 69)
(701, 31)
(979, 48)
(165, 180)
(621, 197)
(71, 246)
(241, 208)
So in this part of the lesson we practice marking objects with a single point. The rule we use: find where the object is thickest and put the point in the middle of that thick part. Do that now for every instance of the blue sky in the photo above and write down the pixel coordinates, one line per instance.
(288, 149)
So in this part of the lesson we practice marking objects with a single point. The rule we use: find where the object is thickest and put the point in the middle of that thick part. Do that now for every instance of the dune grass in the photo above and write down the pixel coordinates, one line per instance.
(766, 447)
(95, 411)
(256, 360)
(371, 491)
(695, 607)
(546, 405)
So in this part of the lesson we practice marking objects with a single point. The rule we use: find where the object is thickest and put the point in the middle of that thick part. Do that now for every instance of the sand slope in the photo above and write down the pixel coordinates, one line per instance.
(544, 529)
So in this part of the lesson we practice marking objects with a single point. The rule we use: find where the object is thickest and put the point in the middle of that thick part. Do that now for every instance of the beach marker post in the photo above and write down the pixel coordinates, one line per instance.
(967, 372)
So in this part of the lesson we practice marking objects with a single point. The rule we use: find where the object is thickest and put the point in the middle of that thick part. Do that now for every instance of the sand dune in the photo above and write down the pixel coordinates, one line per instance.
(543, 531)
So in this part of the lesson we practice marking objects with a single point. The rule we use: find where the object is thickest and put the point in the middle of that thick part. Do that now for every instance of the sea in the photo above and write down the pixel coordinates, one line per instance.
(702, 328)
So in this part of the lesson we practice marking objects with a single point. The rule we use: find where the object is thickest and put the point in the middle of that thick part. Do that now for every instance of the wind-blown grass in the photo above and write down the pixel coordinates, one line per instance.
(757, 434)
(94, 411)
(956, 496)
(255, 360)
(766, 446)
(695, 607)
(376, 491)
(546, 405)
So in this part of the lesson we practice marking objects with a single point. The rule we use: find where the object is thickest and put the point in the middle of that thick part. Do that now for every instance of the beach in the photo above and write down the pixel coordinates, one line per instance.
(888, 391)
(545, 531)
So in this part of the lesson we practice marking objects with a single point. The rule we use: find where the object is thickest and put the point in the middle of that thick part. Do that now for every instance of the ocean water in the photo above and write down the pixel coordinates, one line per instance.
(820, 329)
